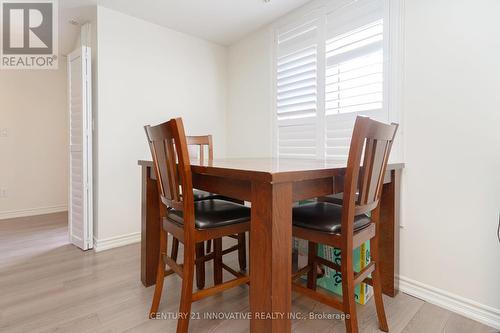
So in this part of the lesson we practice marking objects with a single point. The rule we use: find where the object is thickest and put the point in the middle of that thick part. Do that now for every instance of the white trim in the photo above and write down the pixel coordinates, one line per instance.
(86, 33)
(471, 309)
(320, 92)
(32, 211)
(394, 10)
(273, 115)
(117, 241)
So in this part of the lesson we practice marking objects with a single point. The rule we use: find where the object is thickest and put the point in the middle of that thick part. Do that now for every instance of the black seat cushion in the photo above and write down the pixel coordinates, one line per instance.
(325, 217)
(214, 213)
(337, 198)
(203, 195)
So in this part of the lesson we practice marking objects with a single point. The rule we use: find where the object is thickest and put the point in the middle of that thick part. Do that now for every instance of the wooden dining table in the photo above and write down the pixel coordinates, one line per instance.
(272, 186)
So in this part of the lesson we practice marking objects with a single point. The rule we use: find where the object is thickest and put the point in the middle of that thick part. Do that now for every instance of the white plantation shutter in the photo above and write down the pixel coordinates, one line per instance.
(297, 89)
(77, 190)
(354, 71)
(329, 70)
(354, 66)
(80, 129)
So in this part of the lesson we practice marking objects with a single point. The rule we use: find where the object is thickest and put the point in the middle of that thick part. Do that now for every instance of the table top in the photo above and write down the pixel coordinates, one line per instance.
(271, 169)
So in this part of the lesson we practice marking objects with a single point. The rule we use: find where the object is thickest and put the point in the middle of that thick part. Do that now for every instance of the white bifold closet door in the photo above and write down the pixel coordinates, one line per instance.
(80, 138)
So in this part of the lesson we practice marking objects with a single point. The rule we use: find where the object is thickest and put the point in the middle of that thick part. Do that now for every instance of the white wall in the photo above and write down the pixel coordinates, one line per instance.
(250, 96)
(452, 147)
(34, 155)
(148, 74)
(451, 191)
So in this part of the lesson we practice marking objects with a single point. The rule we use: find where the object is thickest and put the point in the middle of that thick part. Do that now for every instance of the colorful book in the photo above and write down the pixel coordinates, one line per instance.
(332, 280)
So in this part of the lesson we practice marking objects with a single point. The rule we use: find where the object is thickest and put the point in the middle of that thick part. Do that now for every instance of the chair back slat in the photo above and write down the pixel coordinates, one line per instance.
(202, 141)
(371, 171)
(168, 145)
(371, 143)
(173, 172)
(159, 158)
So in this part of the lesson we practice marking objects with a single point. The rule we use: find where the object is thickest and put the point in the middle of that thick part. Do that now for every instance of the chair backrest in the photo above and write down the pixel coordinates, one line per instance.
(374, 139)
(202, 141)
(168, 145)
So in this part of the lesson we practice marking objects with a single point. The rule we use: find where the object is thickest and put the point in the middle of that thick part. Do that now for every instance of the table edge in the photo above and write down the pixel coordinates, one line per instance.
(285, 176)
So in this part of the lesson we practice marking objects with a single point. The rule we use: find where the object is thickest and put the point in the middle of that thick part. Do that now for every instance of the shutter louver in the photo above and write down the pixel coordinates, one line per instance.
(354, 67)
(76, 160)
(329, 69)
(296, 90)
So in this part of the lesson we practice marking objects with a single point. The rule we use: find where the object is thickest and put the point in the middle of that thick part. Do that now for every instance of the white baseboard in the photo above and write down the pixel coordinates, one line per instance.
(32, 211)
(112, 242)
(463, 306)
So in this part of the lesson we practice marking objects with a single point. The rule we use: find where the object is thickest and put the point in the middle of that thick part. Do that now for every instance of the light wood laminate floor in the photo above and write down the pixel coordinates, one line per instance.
(48, 285)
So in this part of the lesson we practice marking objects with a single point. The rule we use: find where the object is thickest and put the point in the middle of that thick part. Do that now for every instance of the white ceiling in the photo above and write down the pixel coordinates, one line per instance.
(219, 21)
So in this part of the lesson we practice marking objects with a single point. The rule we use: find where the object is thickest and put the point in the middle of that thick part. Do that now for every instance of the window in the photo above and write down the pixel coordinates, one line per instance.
(330, 67)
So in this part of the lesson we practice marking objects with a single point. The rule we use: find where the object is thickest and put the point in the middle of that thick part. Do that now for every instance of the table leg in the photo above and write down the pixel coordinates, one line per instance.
(389, 235)
(271, 257)
(150, 219)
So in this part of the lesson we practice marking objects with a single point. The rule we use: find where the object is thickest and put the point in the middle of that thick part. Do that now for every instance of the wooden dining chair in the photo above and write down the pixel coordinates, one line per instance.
(347, 226)
(190, 222)
(202, 143)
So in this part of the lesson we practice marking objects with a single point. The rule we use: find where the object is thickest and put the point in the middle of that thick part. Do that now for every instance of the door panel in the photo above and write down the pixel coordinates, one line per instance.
(80, 138)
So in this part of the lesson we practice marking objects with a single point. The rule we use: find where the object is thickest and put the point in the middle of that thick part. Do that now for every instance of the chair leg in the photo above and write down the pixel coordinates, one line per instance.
(175, 249)
(200, 266)
(209, 246)
(311, 262)
(377, 287)
(351, 321)
(187, 288)
(160, 275)
(217, 261)
(242, 251)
